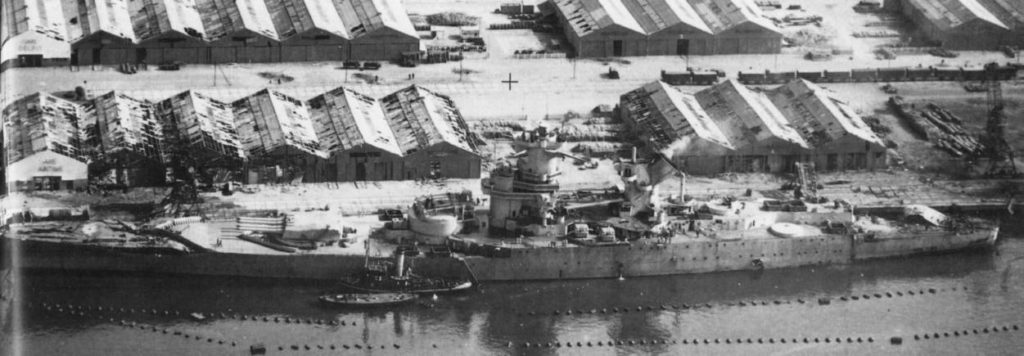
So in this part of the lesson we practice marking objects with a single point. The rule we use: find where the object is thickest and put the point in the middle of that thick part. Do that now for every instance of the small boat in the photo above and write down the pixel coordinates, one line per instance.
(383, 276)
(367, 299)
(375, 282)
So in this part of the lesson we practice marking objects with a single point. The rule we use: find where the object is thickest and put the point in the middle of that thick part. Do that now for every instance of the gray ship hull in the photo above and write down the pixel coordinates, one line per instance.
(641, 259)
(544, 263)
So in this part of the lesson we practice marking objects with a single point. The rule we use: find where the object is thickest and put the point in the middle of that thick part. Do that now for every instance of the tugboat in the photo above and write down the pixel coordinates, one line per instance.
(367, 299)
(383, 276)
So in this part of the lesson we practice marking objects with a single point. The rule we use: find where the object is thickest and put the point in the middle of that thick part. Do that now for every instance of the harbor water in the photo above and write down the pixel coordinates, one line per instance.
(957, 304)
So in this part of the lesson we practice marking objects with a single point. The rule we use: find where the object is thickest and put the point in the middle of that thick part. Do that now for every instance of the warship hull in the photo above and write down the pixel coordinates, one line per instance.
(542, 263)
(639, 259)
(44, 255)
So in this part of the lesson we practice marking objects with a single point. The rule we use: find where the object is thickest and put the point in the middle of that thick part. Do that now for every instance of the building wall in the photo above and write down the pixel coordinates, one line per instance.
(368, 163)
(847, 154)
(72, 173)
(31, 43)
(602, 43)
(385, 44)
(108, 49)
(746, 39)
(666, 43)
(974, 35)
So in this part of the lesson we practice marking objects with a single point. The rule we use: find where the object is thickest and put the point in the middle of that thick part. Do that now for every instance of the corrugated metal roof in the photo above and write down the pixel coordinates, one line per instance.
(110, 16)
(345, 119)
(269, 121)
(153, 18)
(817, 115)
(949, 14)
(744, 116)
(42, 122)
(226, 17)
(293, 17)
(202, 122)
(1011, 12)
(657, 15)
(667, 116)
(361, 17)
(587, 16)
(42, 16)
(723, 15)
(421, 119)
(124, 125)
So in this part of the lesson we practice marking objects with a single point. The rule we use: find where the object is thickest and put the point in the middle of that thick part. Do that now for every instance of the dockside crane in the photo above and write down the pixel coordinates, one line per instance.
(997, 150)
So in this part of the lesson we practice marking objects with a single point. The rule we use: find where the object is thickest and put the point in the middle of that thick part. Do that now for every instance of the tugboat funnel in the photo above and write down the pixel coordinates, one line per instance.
(399, 264)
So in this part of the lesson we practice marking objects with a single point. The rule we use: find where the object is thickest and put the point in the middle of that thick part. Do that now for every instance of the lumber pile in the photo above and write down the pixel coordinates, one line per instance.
(939, 126)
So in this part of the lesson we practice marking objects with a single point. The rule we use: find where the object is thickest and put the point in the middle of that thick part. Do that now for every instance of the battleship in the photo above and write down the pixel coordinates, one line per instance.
(530, 230)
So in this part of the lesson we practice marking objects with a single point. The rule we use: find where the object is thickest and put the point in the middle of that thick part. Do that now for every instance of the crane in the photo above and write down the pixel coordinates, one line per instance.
(997, 149)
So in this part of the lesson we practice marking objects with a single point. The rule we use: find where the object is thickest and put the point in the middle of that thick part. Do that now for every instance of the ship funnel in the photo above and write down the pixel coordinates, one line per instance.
(634, 154)
(399, 264)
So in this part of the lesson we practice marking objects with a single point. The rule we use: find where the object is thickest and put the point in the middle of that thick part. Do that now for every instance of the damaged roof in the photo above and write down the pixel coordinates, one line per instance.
(95, 16)
(269, 122)
(723, 15)
(293, 17)
(657, 15)
(667, 116)
(346, 119)
(745, 116)
(421, 118)
(361, 17)
(819, 116)
(202, 121)
(226, 17)
(588, 16)
(155, 18)
(949, 14)
(42, 16)
(1010, 12)
(124, 125)
(42, 122)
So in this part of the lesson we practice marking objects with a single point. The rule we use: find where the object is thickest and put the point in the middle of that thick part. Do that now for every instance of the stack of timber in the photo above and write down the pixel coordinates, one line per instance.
(939, 126)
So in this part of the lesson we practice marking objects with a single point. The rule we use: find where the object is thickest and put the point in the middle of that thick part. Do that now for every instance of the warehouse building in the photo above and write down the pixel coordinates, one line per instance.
(125, 140)
(955, 24)
(411, 134)
(239, 31)
(200, 128)
(32, 34)
(311, 30)
(377, 29)
(601, 28)
(168, 31)
(353, 129)
(761, 135)
(674, 125)
(279, 138)
(839, 137)
(673, 27)
(102, 33)
(115, 32)
(42, 146)
(730, 128)
(739, 27)
(431, 134)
